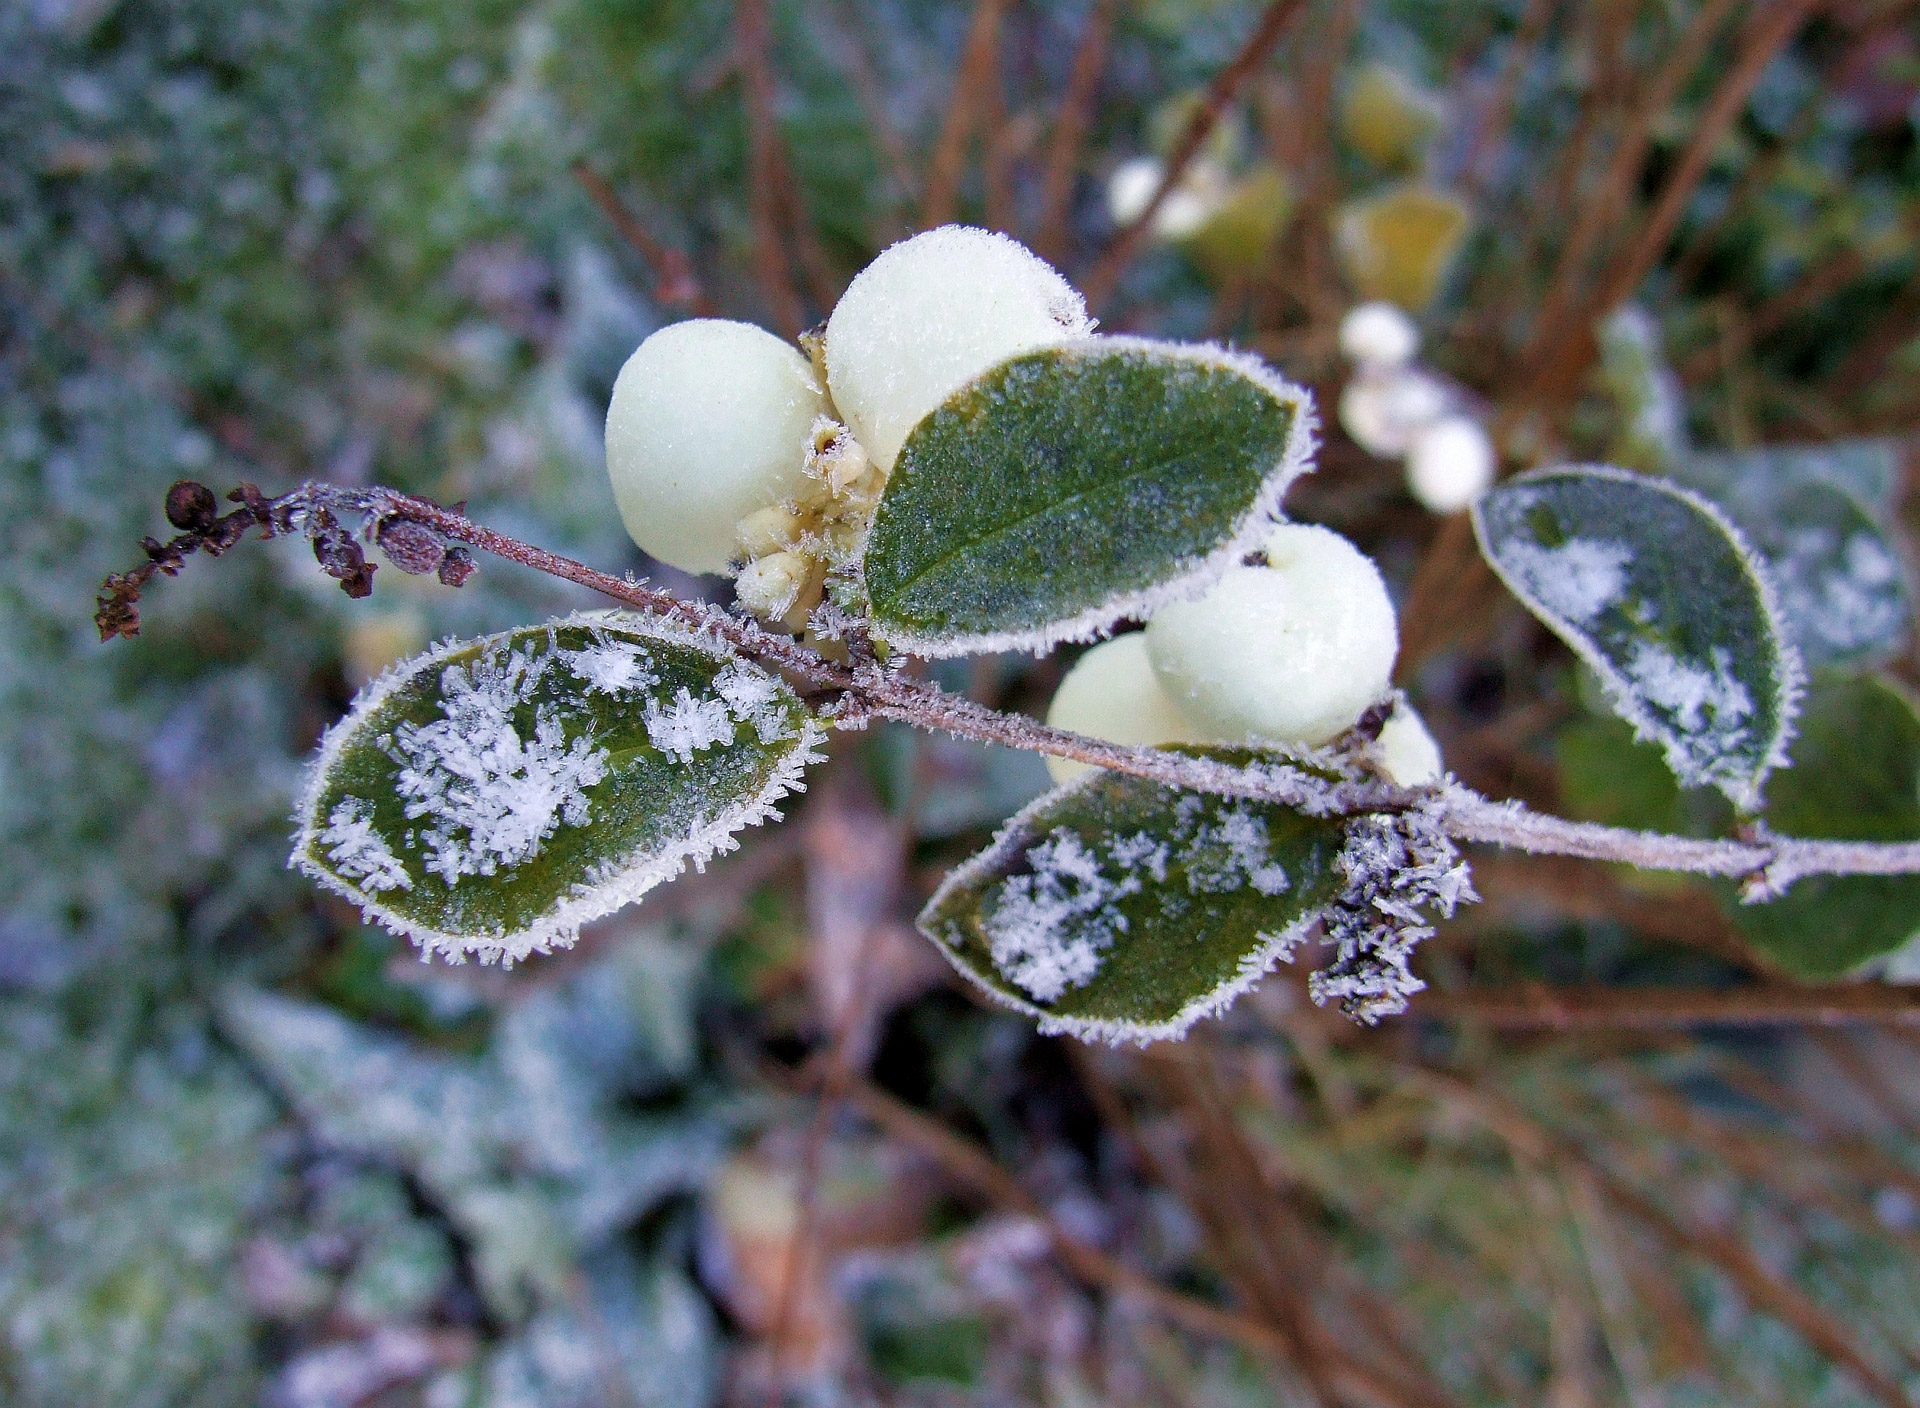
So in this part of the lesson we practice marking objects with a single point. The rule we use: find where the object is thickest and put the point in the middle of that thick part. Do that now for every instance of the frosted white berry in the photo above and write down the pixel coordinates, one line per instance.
(1189, 205)
(1408, 755)
(709, 423)
(1450, 464)
(1288, 653)
(1383, 409)
(929, 315)
(1112, 693)
(1378, 334)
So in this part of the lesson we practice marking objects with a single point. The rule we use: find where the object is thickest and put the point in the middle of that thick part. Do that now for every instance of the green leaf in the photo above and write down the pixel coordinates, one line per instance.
(1855, 777)
(1655, 589)
(1819, 515)
(1069, 488)
(491, 796)
(1121, 909)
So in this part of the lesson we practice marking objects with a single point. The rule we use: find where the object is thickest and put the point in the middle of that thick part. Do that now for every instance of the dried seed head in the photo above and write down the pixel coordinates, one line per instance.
(191, 507)
(456, 567)
(412, 547)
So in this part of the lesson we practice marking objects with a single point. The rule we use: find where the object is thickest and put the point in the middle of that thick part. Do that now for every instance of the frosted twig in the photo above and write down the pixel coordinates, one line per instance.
(1765, 863)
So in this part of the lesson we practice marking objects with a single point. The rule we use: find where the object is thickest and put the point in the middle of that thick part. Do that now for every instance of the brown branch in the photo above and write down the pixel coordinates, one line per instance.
(1220, 93)
(674, 284)
(1497, 122)
(868, 690)
(1070, 130)
(979, 67)
(763, 182)
(1769, 31)
(844, 35)
(1536, 1007)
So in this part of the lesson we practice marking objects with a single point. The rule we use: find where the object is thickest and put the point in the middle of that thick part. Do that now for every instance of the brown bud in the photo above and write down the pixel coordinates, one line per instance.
(412, 547)
(191, 506)
(456, 567)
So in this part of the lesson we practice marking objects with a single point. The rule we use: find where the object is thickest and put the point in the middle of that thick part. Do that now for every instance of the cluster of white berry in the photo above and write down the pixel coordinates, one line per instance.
(730, 450)
(1397, 409)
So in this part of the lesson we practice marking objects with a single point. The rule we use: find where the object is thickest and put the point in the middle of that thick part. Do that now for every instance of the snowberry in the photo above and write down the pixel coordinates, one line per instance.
(1408, 755)
(1188, 206)
(929, 315)
(1385, 408)
(1112, 693)
(1450, 464)
(709, 423)
(1288, 653)
(1378, 334)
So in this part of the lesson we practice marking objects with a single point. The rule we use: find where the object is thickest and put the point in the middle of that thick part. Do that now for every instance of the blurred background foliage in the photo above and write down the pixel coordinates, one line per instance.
(749, 1138)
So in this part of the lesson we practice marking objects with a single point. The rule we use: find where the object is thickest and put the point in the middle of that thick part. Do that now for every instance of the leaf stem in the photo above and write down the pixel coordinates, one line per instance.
(1318, 785)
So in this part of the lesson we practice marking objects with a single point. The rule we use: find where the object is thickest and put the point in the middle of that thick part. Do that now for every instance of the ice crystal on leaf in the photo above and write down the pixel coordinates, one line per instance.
(612, 667)
(490, 794)
(1050, 926)
(358, 852)
(688, 725)
(1578, 579)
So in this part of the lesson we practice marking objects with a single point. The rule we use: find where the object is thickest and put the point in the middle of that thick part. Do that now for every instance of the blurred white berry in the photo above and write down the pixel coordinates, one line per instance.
(928, 316)
(708, 424)
(1112, 693)
(1384, 409)
(1378, 334)
(1450, 464)
(1200, 193)
(1408, 755)
(1288, 653)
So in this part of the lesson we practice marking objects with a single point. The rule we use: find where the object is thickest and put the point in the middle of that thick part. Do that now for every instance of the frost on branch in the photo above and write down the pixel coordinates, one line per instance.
(491, 796)
(1119, 909)
(1396, 869)
(1655, 589)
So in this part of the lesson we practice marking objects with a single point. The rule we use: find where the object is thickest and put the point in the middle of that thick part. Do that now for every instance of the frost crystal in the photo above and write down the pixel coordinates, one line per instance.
(1709, 709)
(1395, 868)
(753, 697)
(688, 725)
(491, 795)
(1049, 928)
(612, 667)
(1577, 580)
(357, 850)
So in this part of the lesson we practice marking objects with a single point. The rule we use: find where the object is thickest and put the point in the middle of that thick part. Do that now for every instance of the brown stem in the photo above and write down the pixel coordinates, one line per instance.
(1225, 87)
(1070, 130)
(1536, 1007)
(763, 186)
(979, 67)
(1498, 119)
(674, 282)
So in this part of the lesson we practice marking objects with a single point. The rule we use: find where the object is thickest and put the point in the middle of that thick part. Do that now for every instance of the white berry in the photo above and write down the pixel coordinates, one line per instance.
(709, 423)
(1287, 653)
(1378, 334)
(1383, 409)
(1408, 755)
(931, 314)
(1112, 693)
(1450, 464)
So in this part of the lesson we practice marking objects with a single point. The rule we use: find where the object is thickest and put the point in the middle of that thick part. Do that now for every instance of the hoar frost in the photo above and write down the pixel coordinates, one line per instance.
(357, 850)
(1395, 867)
(688, 725)
(491, 796)
(1577, 580)
(1048, 929)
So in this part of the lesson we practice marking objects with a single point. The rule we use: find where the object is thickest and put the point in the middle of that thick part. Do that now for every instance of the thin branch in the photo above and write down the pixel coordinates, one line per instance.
(1769, 32)
(979, 67)
(842, 32)
(1220, 93)
(867, 689)
(1070, 130)
(763, 189)
(1497, 122)
(1536, 1007)
(674, 283)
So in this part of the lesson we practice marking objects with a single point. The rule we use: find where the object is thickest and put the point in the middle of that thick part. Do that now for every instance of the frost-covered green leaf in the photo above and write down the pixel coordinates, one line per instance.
(1855, 776)
(1820, 516)
(491, 796)
(1120, 909)
(1655, 589)
(1068, 488)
